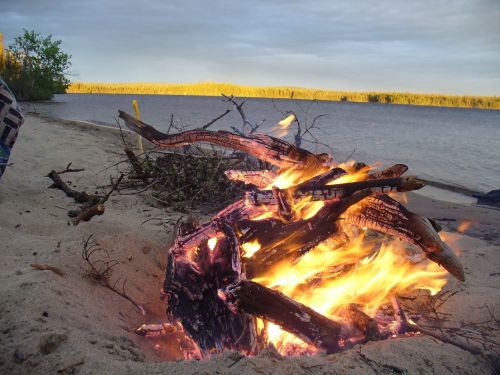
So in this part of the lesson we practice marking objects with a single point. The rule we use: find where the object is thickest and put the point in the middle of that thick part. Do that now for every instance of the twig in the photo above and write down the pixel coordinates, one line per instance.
(103, 274)
(441, 336)
(76, 364)
(70, 170)
(406, 325)
(247, 127)
(46, 267)
(112, 189)
(141, 190)
(215, 119)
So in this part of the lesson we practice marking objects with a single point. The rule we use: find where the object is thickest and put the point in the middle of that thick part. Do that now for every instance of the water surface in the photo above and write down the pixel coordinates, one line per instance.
(451, 145)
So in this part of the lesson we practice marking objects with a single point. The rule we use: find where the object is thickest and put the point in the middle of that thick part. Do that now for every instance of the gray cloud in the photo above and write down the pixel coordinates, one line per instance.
(426, 46)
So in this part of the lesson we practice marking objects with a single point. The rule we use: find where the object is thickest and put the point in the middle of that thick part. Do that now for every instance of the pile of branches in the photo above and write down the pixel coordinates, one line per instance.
(192, 177)
(186, 181)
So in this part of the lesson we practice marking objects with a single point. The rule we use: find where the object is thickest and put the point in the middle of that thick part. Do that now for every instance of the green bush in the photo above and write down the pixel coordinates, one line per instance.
(34, 67)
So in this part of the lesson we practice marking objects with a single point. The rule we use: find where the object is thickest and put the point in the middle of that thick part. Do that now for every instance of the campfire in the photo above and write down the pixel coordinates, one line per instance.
(306, 259)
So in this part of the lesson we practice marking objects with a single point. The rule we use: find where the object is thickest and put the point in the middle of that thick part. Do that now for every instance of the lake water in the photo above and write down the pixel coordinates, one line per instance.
(451, 145)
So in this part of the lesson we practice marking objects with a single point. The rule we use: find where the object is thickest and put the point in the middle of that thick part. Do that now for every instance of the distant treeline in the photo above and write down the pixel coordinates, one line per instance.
(215, 89)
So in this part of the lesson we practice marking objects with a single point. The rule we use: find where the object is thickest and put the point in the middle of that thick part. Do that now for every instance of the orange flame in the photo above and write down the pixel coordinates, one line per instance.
(464, 225)
(327, 278)
(250, 248)
(284, 124)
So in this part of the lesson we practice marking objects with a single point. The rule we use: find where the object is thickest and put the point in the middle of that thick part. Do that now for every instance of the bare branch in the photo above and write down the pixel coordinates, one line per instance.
(214, 120)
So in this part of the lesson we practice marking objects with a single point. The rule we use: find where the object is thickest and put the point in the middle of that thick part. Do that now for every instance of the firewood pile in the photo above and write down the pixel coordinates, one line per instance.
(308, 256)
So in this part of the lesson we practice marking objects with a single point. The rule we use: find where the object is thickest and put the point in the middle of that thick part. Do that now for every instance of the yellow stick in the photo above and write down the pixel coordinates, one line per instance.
(140, 145)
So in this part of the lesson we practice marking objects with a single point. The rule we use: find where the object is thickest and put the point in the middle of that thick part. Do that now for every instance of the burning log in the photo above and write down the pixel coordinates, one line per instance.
(325, 178)
(396, 170)
(384, 214)
(193, 298)
(292, 316)
(259, 179)
(280, 240)
(330, 192)
(368, 326)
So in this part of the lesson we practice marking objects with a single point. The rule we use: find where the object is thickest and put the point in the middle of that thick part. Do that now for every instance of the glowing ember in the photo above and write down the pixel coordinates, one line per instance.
(250, 248)
(212, 242)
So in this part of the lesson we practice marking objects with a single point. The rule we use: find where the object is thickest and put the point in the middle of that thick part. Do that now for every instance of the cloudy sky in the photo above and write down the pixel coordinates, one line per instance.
(421, 46)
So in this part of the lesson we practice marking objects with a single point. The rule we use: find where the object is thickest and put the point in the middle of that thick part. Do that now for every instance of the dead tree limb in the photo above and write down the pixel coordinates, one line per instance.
(266, 148)
(98, 209)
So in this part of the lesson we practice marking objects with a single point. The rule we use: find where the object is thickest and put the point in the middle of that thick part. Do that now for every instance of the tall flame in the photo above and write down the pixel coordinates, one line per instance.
(327, 278)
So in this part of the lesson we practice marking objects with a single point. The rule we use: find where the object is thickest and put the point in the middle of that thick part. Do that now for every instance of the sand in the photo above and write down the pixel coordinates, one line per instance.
(50, 322)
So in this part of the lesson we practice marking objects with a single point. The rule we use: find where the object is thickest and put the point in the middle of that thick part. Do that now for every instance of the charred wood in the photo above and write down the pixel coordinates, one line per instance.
(384, 214)
(193, 300)
(259, 179)
(279, 240)
(368, 326)
(396, 170)
(292, 316)
(330, 192)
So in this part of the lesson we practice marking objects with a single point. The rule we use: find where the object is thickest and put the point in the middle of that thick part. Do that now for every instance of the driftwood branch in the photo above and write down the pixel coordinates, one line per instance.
(89, 213)
(98, 209)
(266, 148)
(58, 183)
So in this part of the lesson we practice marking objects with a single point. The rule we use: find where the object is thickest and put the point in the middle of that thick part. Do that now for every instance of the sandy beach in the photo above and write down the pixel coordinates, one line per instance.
(71, 325)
